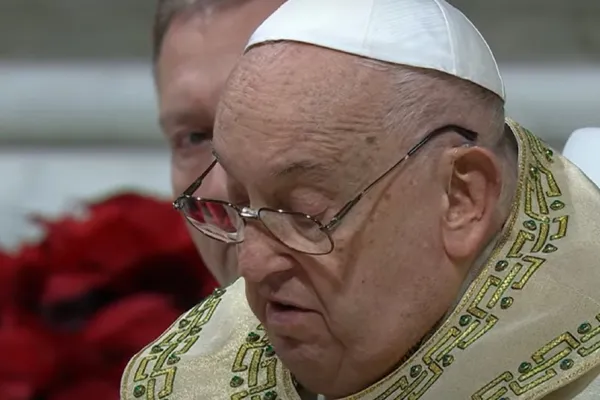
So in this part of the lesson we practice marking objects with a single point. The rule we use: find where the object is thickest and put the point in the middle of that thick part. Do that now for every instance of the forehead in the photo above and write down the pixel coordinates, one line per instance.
(199, 51)
(290, 103)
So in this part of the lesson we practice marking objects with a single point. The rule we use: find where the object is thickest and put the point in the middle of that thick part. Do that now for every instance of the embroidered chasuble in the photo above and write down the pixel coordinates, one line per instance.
(527, 327)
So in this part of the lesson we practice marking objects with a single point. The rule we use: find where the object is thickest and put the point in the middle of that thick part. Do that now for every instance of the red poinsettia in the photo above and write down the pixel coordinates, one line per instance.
(77, 305)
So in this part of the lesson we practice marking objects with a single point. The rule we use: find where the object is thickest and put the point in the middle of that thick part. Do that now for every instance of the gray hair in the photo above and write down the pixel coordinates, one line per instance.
(487, 111)
(424, 96)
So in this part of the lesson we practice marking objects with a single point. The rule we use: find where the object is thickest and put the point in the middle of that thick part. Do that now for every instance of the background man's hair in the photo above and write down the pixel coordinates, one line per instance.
(167, 10)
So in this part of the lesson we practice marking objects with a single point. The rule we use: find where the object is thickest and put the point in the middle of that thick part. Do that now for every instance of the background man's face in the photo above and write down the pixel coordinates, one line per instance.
(198, 53)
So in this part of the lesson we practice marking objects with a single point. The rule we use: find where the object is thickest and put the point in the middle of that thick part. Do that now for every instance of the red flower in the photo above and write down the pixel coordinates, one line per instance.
(124, 327)
(88, 389)
(117, 232)
(75, 307)
(28, 362)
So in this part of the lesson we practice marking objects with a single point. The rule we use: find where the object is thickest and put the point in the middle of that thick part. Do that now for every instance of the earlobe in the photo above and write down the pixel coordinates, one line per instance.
(474, 183)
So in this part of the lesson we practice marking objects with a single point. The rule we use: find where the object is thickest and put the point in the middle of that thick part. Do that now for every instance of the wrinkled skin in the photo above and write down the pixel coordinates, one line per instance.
(198, 53)
(302, 128)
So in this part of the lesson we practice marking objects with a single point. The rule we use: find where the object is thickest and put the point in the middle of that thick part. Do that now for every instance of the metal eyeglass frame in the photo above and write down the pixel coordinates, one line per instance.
(247, 213)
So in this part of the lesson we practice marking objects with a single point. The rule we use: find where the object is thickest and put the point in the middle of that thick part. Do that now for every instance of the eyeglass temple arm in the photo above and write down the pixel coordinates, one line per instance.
(196, 184)
(340, 215)
(467, 134)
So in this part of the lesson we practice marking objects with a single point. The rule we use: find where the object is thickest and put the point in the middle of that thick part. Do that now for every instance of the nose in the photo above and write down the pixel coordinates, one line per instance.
(261, 256)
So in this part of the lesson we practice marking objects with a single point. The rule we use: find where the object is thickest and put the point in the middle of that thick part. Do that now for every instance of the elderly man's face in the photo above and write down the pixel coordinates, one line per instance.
(302, 129)
(198, 53)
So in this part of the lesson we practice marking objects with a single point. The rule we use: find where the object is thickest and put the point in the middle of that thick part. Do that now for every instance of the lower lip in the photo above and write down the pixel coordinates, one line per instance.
(284, 317)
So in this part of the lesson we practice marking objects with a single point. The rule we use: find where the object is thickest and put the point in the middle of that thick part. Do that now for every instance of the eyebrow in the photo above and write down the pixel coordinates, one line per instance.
(308, 167)
(178, 117)
(171, 118)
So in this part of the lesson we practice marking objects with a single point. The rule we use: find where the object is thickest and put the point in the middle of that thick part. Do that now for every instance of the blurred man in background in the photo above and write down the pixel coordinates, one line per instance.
(196, 44)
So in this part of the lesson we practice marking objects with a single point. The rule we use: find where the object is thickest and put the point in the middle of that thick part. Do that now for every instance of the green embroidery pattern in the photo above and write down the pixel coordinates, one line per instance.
(254, 368)
(563, 352)
(155, 373)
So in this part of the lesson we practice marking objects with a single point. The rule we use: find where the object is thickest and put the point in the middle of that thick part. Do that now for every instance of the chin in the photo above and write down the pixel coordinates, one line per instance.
(316, 378)
(314, 367)
(304, 362)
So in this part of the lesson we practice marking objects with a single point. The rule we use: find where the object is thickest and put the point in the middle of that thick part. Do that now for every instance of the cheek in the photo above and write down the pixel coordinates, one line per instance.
(385, 269)
(256, 303)
(219, 258)
(203, 245)
(213, 187)
(180, 179)
(396, 246)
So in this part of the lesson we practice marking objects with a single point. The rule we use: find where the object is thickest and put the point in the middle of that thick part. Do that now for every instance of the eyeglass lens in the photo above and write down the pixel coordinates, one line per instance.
(223, 222)
(217, 220)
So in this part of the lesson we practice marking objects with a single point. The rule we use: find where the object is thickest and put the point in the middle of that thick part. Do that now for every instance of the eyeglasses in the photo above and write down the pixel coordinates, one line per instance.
(304, 233)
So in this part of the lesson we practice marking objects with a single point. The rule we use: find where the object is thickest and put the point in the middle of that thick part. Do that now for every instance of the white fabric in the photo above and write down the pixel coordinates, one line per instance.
(420, 33)
(583, 149)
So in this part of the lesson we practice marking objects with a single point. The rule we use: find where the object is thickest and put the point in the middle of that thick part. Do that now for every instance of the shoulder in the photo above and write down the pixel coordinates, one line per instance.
(197, 351)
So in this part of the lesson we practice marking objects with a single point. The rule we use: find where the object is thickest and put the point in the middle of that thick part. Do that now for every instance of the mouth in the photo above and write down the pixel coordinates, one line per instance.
(285, 315)
(284, 307)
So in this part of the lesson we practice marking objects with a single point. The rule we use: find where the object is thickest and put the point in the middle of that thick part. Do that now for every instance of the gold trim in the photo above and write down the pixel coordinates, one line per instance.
(566, 353)
(156, 364)
(254, 368)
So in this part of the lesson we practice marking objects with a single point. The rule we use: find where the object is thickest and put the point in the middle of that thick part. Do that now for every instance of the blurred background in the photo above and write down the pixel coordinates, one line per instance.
(78, 122)
(77, 106)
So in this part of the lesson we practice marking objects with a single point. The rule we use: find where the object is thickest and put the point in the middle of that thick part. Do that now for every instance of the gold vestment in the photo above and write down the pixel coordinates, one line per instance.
(527, 327)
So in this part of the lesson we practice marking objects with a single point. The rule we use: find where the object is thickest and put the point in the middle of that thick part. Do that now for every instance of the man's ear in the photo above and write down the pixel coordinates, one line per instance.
(470, 200)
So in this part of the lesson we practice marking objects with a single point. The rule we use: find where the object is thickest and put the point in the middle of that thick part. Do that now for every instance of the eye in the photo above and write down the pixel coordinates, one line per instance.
(190, 139)
(191, 147)
(310, 205)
